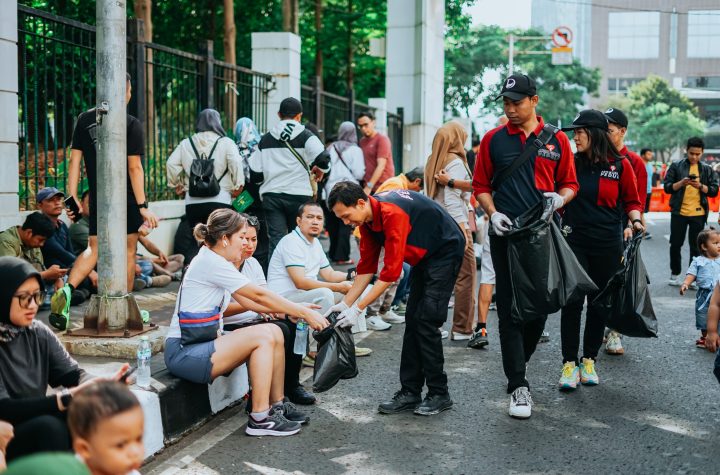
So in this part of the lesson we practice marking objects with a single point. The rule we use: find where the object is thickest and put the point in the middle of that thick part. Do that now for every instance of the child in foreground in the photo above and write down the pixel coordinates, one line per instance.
(106, 424)
(712, 340)
(704, 270)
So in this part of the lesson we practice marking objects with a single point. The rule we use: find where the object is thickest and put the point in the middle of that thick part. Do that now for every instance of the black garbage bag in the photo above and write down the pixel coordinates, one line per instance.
(627, 296)
(335, 358)
(544, 272)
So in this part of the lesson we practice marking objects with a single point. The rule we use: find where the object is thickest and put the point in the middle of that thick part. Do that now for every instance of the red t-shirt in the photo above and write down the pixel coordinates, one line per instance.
(374, 147)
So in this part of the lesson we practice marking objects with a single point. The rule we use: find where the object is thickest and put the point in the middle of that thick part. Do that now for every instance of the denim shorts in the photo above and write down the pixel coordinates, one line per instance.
(702, 303)
(190, 362)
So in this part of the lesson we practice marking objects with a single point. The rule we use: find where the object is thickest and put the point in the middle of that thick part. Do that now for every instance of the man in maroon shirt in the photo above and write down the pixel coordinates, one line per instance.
(377, 150)
(411, 228)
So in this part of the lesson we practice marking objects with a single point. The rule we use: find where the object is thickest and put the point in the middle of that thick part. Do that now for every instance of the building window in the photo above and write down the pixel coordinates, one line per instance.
(703, 26)
(621, 85)
(633, 35)
(704, 82)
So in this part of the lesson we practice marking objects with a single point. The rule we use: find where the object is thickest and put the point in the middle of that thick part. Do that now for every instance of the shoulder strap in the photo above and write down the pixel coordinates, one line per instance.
(296, 155)
(547, 133)
(341, 159)
(192, 144)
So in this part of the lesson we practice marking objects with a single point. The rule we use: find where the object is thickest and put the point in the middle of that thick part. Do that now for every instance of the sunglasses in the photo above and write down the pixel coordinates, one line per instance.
(253, 221)
(24, 299)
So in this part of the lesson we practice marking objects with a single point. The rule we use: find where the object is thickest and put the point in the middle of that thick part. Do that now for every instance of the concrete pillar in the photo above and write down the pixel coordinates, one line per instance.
(380, 105)
(9, 203)
(277, 54)
(415, 72)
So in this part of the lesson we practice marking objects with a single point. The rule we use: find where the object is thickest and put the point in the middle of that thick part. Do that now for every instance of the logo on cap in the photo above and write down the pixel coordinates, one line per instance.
(610, 111)
(510, 83)
(576, 117)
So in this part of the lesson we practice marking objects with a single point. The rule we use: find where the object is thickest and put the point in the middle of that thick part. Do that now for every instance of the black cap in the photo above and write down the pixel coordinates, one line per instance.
(587, 119)
(290, 107)
(517, 87)
(616, 116)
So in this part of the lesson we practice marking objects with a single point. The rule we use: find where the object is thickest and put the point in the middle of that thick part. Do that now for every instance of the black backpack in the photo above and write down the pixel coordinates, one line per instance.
(203, 183)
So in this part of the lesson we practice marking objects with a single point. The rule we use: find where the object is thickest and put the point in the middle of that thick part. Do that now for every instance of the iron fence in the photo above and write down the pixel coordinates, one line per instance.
(57, 83)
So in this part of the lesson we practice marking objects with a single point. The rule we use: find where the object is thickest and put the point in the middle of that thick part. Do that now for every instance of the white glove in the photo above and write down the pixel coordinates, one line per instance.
(348, 317)
(557, 200)
(338, 307)
(500, 223)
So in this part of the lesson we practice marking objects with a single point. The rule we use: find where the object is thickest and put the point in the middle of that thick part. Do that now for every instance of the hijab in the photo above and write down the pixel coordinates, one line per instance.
(347, 137)
(13, 273)
(246, 133)
(448, 145)
(209, 121)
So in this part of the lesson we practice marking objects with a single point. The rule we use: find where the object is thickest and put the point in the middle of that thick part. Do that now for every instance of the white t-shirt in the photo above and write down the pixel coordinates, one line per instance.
(294, 250)
(208, 283)
(253, 271)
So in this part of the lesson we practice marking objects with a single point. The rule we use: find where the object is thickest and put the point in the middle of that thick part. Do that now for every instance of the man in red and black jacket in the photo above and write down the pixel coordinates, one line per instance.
(550, 172)
(414, 229)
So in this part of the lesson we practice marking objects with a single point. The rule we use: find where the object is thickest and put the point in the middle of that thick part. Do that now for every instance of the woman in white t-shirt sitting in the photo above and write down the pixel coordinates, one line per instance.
(195, 352)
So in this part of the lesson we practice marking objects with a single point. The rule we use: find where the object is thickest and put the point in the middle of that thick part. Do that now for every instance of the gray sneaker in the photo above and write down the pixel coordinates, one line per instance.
(544, 337)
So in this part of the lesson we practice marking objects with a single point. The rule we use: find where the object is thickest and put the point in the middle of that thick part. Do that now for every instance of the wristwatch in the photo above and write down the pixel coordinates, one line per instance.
(143, 205)
(451, 183)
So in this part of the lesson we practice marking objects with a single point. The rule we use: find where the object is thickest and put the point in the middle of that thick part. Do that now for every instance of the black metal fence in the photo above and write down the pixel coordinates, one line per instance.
(57, 82)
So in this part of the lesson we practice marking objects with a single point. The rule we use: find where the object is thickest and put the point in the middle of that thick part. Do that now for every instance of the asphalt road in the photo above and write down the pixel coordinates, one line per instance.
(655, 411)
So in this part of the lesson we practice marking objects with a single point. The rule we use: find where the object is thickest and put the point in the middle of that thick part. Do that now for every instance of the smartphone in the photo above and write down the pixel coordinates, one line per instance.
(693, 177)
(72, 205)
(128, 373)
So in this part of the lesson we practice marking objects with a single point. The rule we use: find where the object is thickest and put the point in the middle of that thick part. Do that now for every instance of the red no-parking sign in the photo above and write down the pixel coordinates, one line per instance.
(562, 36)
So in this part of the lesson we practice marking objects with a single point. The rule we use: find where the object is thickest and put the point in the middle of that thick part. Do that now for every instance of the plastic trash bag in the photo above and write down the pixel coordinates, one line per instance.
(335, 358)
(544, 272)
(627, 296)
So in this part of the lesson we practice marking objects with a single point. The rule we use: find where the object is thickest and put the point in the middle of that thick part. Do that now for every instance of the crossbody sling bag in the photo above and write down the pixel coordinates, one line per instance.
(548, 132)
(313, 183)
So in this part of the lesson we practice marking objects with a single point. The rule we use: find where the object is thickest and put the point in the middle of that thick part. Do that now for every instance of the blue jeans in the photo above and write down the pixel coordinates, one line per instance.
(702, 303)
(146, 270)
(404, 285)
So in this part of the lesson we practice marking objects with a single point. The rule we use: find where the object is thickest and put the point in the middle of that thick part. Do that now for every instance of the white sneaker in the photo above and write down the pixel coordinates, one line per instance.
(613, 346)
(675, 281)
(392, 317)
(376, 323)
(443, 333)
(520, 403)
(457, 336)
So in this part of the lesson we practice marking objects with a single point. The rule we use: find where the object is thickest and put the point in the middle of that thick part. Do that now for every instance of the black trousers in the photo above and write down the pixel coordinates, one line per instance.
(261, 252)
(48, 433)
(679, 227)
(600, 267)
(339, 236)
(196, 214)
(431, 285)
(293, 362)
(517, 340)
(280, 215)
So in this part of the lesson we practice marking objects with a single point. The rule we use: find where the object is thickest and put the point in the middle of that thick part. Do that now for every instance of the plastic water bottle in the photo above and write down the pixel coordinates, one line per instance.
(144, 352)
(301, 336)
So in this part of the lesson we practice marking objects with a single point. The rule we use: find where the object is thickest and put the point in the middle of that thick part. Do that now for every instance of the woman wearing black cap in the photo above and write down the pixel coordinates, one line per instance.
(31, 359)
(595, 219)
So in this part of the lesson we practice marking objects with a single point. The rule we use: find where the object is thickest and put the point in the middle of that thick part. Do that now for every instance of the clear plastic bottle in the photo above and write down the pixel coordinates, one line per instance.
(144, 352)
(301, 338)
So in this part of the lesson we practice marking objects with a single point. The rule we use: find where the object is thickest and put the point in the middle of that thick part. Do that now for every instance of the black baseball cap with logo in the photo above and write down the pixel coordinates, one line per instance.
(616, 116)
(589, 118)
(518, 87)
(290, 107)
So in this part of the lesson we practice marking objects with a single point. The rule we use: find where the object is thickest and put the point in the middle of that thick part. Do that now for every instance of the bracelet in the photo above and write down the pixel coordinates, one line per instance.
(637, 221)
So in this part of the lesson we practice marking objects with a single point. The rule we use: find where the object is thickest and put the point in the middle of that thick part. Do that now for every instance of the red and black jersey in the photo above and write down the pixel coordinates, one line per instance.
(552, 169)
(638, 166)
(596, 214)
(411, 227)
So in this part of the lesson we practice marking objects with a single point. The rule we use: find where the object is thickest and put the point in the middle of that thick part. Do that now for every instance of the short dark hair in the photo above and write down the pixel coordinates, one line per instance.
(695, 142)
(98, 402)
(346, 192)
(475, 142)
(415, 173)
(643, 151)
(307, 204)
(703, 238)
(369, 115)
(39, 224)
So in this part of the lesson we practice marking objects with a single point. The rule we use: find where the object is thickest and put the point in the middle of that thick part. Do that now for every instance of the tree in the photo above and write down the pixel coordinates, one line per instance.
(655, 90)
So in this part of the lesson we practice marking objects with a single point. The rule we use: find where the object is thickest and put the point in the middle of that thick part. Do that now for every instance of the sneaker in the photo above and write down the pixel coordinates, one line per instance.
(570, 376)
(451, 303)
(392, 317)
(613, 346)
(139, 284)
(78, 297)
(434, 404)
(291, 413)
(675, 281)
(544, 337)
(493, 306)
(479, 339)
(457, 336)
(275, 424)
(402, 401)
(443, 333)
(399, 309)
(376, 323)
(360, 351)
(301, 396)
(588, 375)
(160, 281)
(520, 403)
(308, 361)
(60, 308)
(647, 235)
(700, 342)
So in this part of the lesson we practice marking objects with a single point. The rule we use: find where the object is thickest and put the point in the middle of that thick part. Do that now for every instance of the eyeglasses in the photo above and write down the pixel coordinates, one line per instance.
(24, 299)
